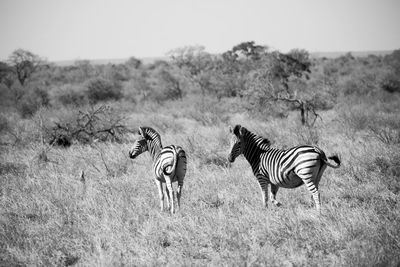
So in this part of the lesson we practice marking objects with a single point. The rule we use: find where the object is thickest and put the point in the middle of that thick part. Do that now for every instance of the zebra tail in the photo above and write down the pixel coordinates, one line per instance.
(336, 159)
(173, 165)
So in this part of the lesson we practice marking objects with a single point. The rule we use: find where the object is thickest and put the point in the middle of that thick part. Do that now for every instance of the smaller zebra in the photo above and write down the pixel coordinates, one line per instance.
(288, 168)
(169, 164)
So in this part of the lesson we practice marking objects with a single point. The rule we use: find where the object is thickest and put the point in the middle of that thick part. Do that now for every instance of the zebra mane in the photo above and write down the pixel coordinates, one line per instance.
(150, 134)
(261, 142)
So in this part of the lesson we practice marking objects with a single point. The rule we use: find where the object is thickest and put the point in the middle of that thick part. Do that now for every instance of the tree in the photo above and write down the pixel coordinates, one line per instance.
(100, 89)
(194, 61)
(99, 123)
(24, 64)
(193, 58)
(249, 50)
(296, 63)
(84, 69)
(165, 85)
(6, 74)
(391, 81)
(279, 79)
(234, 66)
(134, 63)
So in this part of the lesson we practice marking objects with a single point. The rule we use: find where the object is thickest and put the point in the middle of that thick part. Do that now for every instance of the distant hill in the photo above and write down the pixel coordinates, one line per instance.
(354, 53)
(145, 60)
(148, 60)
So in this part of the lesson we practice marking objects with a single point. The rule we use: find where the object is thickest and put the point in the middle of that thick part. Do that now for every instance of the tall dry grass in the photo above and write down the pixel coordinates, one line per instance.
(51, 215)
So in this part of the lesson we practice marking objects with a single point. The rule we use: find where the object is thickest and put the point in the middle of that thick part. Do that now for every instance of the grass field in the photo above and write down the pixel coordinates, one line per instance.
(49, 215)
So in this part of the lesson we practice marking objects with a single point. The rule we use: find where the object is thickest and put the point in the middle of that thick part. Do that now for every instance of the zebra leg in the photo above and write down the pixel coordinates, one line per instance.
(274, 191)
(320, 173)
(171, 193)
(316, 196)
(161, 194)
(317, 200)
(168, 198)
(179, 193)
(310, 174)
(263, 182)
(313, 188)
(180, 173)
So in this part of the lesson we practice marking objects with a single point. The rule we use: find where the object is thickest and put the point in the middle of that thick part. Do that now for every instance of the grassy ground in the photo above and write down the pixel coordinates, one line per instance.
(49, 215)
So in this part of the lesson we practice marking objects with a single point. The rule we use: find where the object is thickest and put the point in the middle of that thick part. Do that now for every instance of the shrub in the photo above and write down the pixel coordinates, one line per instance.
(129, 92)
(99, 89)
(385, 127)
(97, 124)
(69, 95)
(204, 155)
(391, 83)
(167, 86)
(355, 117)
(32, 101)
(308, 135)
(323, 100)
(390, 170)
(360, 83)
(4, 124)
(6, 96)
(17, 169)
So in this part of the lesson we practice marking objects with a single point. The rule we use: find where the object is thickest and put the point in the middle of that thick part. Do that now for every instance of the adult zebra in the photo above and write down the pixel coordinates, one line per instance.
(288, 168)
(169, 163)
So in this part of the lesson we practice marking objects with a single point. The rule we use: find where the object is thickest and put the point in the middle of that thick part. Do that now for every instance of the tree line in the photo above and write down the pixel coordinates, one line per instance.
(265, 80)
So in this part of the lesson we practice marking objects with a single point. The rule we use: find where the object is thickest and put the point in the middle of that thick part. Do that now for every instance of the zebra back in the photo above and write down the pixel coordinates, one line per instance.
(171, 161)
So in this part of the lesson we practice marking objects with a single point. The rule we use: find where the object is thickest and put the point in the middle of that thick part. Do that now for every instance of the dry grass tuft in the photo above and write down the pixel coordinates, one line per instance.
(51, 214)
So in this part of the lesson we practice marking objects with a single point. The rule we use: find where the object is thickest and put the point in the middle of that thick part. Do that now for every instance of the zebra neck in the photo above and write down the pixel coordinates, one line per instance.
(252, 151)
(154, 148)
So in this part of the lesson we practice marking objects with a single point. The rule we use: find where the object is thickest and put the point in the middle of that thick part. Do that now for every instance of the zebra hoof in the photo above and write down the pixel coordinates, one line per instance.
(277, 203)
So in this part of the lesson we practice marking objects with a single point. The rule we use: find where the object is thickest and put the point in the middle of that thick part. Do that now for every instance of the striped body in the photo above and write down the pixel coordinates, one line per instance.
(288, 168)
(282, 166)
(164, 164)
(169, 163)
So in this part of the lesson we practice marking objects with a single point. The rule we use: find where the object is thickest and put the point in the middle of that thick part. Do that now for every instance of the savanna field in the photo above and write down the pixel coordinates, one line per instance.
(70, 195)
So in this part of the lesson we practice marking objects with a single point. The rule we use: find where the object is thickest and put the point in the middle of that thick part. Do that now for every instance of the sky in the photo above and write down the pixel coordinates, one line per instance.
(109, 29)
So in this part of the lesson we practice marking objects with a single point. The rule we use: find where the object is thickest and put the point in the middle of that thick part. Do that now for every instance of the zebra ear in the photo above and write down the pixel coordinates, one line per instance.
(140, 131)
(241, 131)
(237, 129)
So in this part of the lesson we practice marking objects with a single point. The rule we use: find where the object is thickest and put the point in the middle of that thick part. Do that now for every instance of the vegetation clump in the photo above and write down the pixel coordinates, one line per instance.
(70, 195)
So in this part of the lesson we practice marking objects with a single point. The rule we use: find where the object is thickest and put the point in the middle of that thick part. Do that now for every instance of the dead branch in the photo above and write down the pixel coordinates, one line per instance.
(97, 124)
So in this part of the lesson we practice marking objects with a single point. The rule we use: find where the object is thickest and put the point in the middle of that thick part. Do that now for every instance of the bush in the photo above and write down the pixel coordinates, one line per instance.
(360, 83)
(390, 170)
(167, 86)
(129, 92)
(6, 97)
(99, 89)
(17, 169)
(391, 83)
(97, 124)
(323, 100)
(32, 101)
(69, 95)
(385, 127)
(4, 124)
(356, 117)
(308, 135)
(378, 120)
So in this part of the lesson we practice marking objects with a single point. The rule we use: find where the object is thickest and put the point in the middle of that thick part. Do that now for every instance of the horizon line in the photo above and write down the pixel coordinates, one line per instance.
(153, 58)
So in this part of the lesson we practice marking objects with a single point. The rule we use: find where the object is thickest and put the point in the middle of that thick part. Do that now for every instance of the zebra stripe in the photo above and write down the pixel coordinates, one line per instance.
(288, 168)
(169, 163)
